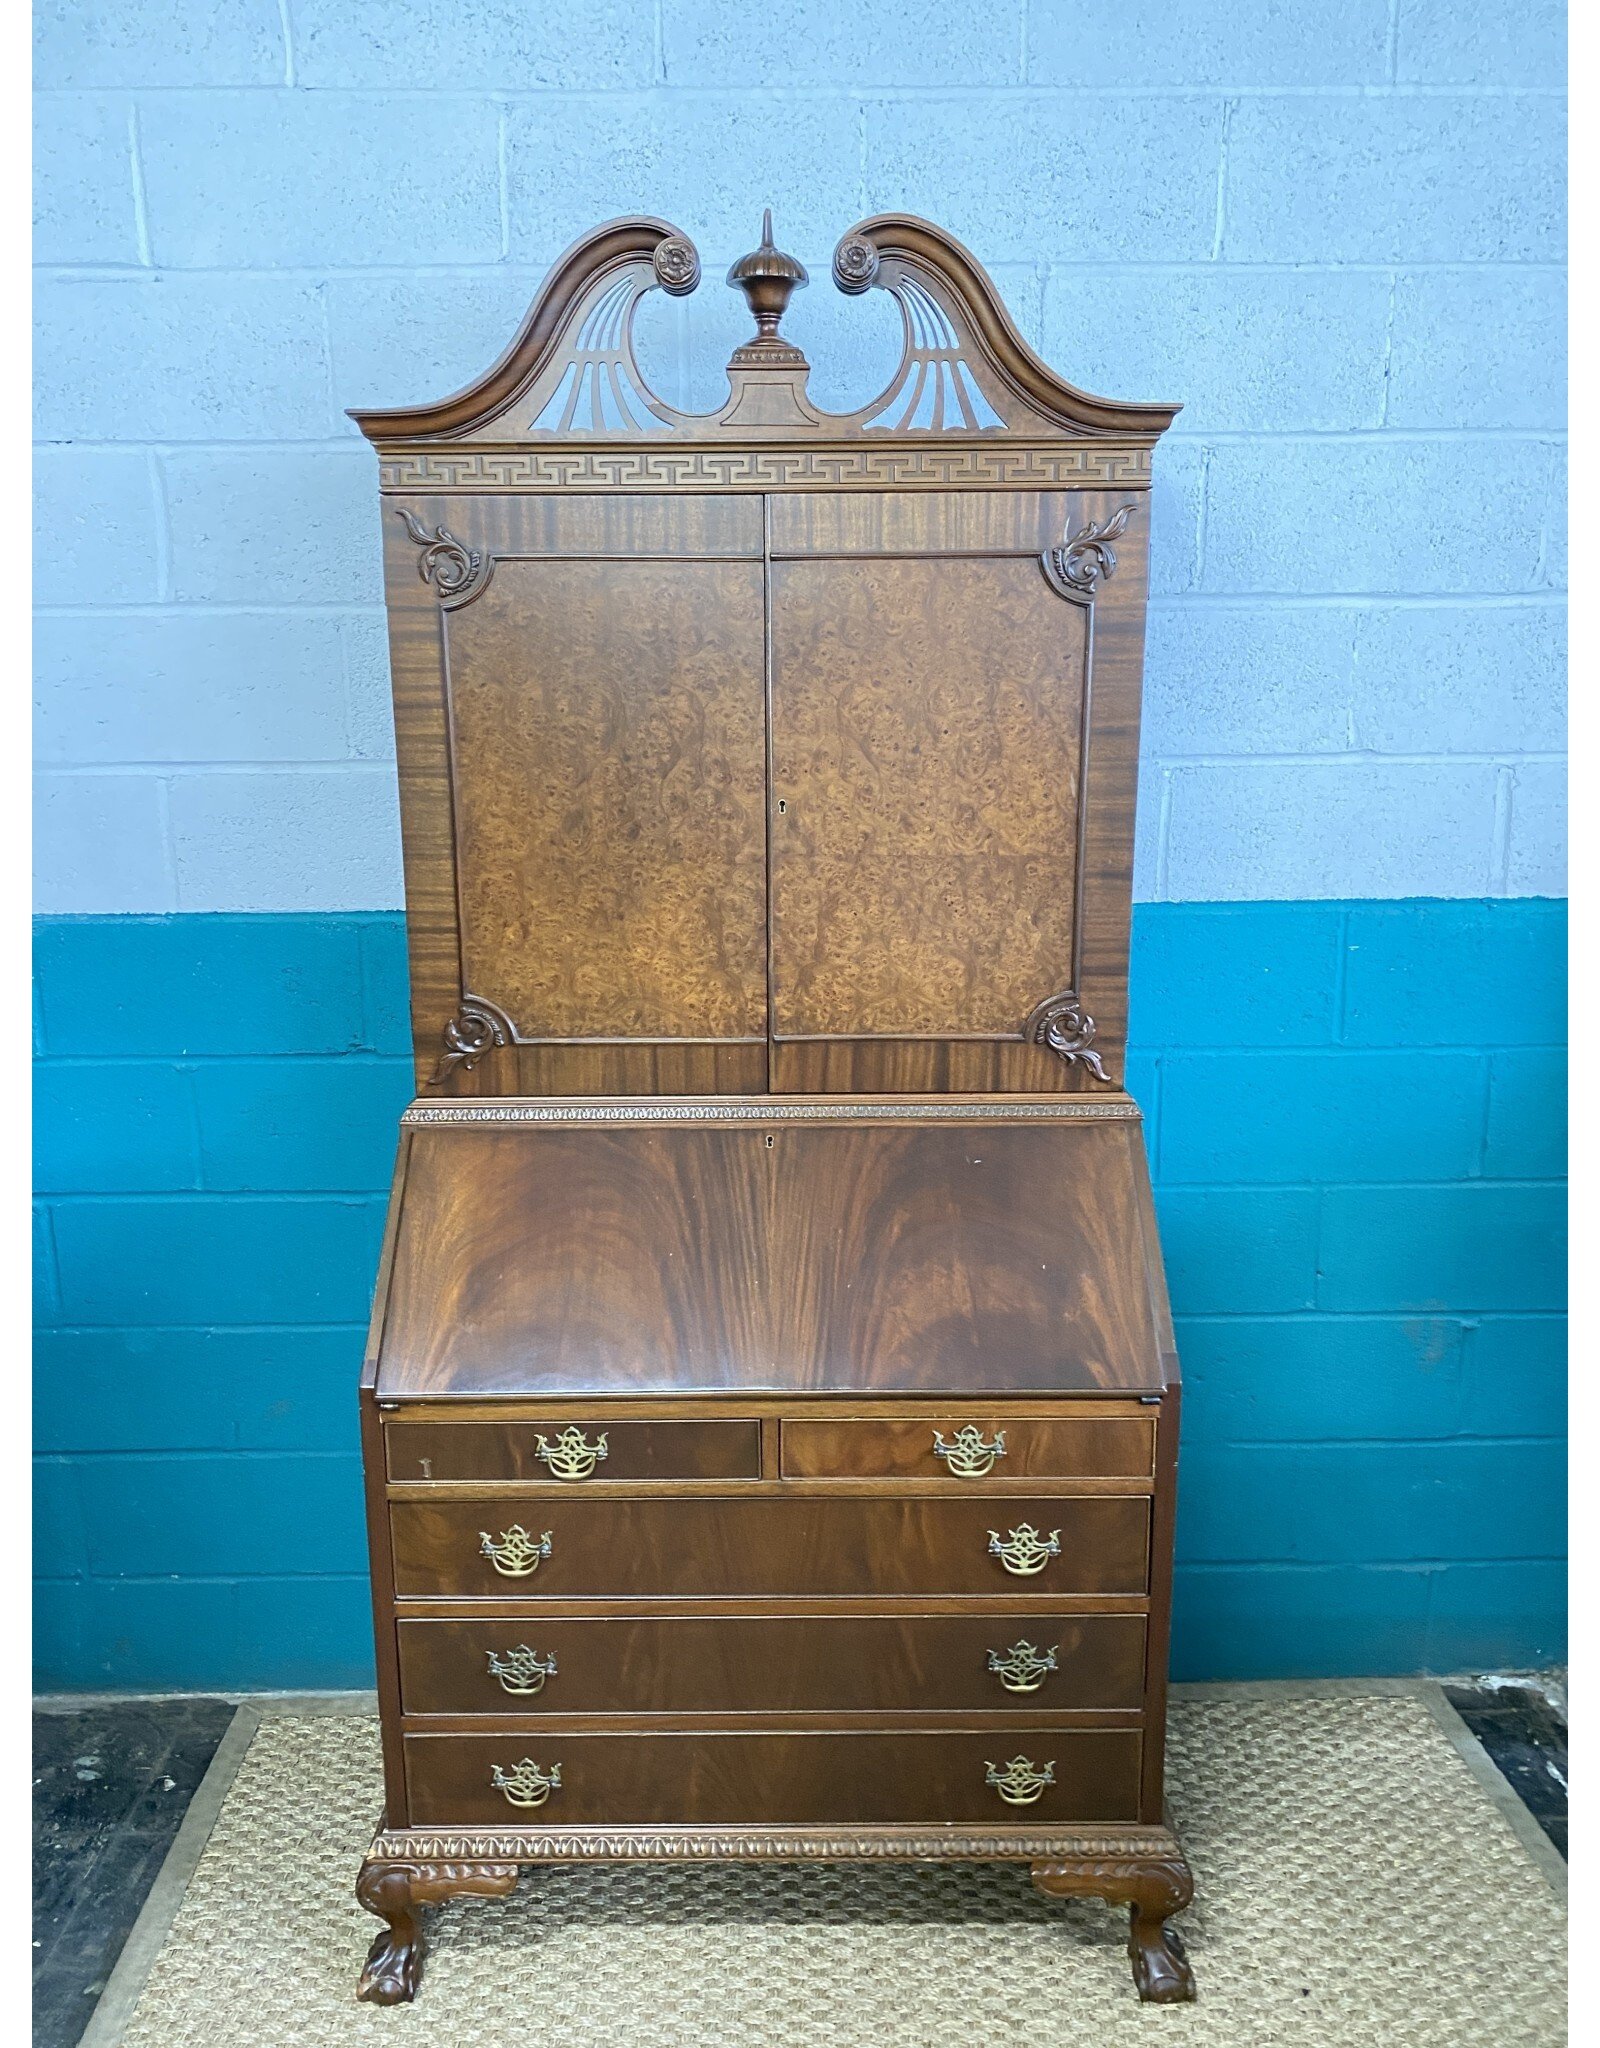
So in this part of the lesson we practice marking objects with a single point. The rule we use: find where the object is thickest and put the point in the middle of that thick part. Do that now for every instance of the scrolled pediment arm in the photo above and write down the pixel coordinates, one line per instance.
(613, 248)
(902, 240)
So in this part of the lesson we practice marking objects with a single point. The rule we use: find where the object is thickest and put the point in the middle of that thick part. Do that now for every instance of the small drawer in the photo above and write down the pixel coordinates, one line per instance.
(971, 1447)
(1010, 1774)
(576, 1452)
(641, 1547)
(773, 1664)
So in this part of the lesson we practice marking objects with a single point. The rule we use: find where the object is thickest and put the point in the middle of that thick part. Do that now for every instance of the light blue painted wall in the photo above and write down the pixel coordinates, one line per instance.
(1334, 228)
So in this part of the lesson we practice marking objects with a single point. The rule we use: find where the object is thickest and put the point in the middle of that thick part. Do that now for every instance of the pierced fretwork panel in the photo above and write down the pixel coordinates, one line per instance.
(573, 375)
(934, 389)
(600, 389)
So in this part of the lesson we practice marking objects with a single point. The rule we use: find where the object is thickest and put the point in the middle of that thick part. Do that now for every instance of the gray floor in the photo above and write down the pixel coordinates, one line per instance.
(111, 1786)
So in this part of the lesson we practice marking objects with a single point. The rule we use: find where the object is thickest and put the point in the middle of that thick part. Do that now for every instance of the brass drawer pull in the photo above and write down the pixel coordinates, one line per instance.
(966, 1453)
(527, 1785)
(520, 1671)
(1022, 1668)
(571, 1456)
(1024, 1551)
(517, 1553)
(1020, 1782)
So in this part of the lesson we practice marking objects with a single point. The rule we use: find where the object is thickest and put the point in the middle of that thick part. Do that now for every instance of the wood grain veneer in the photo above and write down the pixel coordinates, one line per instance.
(767, 783)
(690, 1663)
(674, 1547)
(658, 1449)
(859, 1776)
(669, 1258)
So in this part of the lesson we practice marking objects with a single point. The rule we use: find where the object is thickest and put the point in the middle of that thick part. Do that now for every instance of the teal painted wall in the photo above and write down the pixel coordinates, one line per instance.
(1360, 1198)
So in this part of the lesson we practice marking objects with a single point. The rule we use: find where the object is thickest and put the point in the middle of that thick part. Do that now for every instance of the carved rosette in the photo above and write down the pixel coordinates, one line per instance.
(1074, 569)
(1061, 1024)
(476, 1028)
(855, 264)
(676, 263)
(458, 573)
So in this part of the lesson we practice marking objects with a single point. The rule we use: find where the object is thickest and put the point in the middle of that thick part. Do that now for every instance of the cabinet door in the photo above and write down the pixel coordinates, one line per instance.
(931, 707)
(598, 708)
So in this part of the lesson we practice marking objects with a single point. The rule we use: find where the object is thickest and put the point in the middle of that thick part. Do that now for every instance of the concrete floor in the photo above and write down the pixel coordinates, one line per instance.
(111, 1784)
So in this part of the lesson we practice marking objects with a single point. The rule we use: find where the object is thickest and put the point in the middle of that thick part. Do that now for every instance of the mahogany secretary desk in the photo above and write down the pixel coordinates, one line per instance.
(770, 1412)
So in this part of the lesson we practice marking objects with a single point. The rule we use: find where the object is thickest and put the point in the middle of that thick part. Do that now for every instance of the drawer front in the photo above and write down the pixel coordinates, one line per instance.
(745, 1780)
(584, 1452)
(587, 1548)
(966, 1449)
(772, 1664)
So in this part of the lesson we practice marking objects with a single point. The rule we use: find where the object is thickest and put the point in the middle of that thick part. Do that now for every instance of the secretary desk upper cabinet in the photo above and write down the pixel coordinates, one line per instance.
(770, 1413)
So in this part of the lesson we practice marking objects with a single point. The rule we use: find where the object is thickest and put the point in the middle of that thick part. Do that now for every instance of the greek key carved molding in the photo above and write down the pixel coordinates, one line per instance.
(458, 573)
(1061, 1024)
(904, 463)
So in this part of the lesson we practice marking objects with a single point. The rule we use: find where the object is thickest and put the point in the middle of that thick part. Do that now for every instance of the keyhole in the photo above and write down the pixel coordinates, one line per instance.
(769, 1141)
(427, 1467)
(783, 806)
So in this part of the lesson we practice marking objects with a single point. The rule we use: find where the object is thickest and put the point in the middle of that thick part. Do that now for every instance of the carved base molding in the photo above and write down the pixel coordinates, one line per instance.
(408, 1868)
(791, 1844)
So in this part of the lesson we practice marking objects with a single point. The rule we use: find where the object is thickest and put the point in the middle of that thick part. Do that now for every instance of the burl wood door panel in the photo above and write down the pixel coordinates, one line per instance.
(644, 1547)
(747, 1664)
(1102, 1447)
(533, 1450)
(607, 726)
(926, 733)
(725, 1779)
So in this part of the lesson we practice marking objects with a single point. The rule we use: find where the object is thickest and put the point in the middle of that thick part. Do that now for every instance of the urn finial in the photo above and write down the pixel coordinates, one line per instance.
(768, 278)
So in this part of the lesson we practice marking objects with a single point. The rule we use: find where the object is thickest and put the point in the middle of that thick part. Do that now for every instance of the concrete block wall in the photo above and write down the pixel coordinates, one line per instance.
(1334, 229)
(1359, 1196)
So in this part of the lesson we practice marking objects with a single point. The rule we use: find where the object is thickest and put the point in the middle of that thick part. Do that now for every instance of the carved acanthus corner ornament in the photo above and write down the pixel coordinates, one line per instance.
(476, 1028)
(1074, 569)
(1062, 1024)
(458, 573)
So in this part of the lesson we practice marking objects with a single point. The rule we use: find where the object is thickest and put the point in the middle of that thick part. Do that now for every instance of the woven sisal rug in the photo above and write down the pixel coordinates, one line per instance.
(1354, 1888)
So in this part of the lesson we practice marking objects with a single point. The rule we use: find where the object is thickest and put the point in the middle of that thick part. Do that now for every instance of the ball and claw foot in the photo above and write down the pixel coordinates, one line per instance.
(396, 1893)
(1160, 1968)
(1152, 1891)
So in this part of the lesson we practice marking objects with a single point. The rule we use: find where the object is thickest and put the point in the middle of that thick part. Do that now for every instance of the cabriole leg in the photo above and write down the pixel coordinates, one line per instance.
(1152, 1891)
(396, 1893)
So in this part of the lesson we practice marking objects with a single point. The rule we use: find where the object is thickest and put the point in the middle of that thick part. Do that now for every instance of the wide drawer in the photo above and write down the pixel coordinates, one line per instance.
(744, 1780)
(578, 1452)
(768, 1664)
(586, 1547)
(964, 1448)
